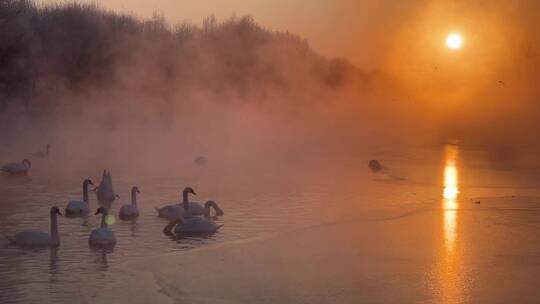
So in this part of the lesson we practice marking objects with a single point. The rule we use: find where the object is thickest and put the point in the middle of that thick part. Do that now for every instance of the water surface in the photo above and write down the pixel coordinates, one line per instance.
(439, 225)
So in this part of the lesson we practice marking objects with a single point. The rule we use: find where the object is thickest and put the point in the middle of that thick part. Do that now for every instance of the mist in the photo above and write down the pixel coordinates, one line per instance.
(107, 88)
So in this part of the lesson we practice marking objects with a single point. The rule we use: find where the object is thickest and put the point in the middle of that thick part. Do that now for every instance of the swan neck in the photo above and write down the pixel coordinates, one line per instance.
(210, 205)
(54, 228)
(186, 207)
(185, 201)
(133, 197)
(103, 220)
(185, 197)
(85, 191)
(207, 210)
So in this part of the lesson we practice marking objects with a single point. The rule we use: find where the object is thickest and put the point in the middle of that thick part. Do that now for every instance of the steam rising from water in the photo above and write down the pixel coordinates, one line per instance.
(109, 89)
(106, 88)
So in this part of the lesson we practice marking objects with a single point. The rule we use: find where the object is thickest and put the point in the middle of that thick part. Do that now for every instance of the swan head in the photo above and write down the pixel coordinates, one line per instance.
(55, 210)
(219, 212)
(135, 189)
(189, 190)
(27, 163)
(88, 181)
(101, 210)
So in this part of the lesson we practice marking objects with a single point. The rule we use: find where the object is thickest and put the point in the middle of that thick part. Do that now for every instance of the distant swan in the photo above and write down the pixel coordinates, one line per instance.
(36, 238)
(375, 165)
(195, 225)
(41, 154)
(75, 208)
(17, 168)
(102, 236)
(201, 160)
(176, 211)
(105, 192)
(130, 211)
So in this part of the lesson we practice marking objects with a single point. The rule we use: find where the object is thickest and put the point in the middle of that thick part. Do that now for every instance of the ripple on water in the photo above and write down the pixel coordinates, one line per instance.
(76, 271)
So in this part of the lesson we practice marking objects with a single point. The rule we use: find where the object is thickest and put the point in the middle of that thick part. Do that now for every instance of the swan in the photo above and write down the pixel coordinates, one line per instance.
(41, 154)
(196, 208)
(212, 205)
(195, 225)
(191, 226)
(375, 165)
(102, 236)
(33, 238)
(129, 211)
(176, 211)
(17, 168)
(105, 192)
(74, 207)
(201, 160)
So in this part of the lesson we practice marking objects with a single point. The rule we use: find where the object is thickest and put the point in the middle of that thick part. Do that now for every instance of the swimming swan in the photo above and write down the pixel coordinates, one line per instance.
(36, 238)
(41, 154)
(102, 236)
(176, 211)
(201, 160)
(129, 211)
(375, 165)
(105, 192)
(198, 209)
(17, 168)
(212, 205)
(75, 208)
(195, 225)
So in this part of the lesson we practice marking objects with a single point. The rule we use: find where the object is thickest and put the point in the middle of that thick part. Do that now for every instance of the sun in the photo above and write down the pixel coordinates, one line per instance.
(454, 41)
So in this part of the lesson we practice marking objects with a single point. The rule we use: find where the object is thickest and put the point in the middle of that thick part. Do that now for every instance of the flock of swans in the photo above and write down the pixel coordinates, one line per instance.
(185, 218)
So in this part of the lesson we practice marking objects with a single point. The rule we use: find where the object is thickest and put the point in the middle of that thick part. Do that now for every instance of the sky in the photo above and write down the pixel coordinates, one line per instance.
(372, 34)
(405, 39)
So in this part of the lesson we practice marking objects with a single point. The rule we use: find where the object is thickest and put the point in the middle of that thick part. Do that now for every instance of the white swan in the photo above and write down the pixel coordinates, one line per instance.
(129, 211)
(176, 211)
(102, 236)
(195, 225)
(105, 192)
(196, 209)
(41, 154)
(76, 208)
(17, 168)
(212, 205)
(33, 238)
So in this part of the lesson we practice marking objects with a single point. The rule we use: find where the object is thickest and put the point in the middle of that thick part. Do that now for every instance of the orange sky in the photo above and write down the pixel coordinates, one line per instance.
(405, 39)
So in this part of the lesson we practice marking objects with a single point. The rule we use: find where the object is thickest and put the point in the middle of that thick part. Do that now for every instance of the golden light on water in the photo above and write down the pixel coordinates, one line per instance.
(450, 195)
(450, 191)
(454, 41)
(448, 266)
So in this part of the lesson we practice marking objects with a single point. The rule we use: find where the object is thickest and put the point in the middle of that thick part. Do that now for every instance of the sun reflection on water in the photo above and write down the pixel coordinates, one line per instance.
(450, 205)
(450, 195)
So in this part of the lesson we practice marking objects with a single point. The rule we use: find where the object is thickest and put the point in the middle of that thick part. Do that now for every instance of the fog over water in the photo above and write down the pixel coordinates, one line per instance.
(79, 77)
(287, 134)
